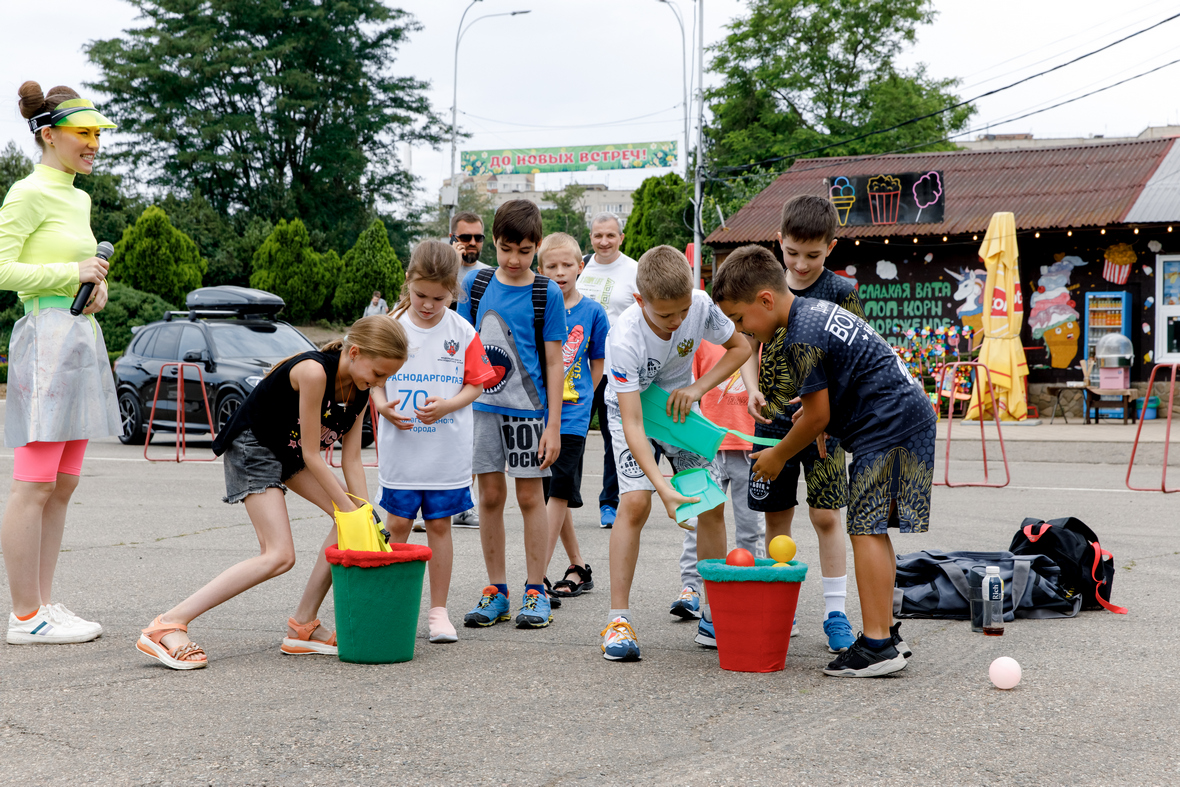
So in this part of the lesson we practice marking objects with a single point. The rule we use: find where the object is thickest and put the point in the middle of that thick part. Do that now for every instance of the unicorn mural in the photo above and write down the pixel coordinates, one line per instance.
(970, 292)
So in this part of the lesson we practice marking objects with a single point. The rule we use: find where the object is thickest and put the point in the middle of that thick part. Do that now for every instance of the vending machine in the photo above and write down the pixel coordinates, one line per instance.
(1106, 313)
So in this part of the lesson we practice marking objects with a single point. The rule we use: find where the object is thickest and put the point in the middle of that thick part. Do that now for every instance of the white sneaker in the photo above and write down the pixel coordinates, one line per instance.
(82, 622)
(419, 526)
(48, 627)
(469, 518)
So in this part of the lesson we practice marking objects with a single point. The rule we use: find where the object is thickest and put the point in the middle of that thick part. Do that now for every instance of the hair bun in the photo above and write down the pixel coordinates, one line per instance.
(31, 99)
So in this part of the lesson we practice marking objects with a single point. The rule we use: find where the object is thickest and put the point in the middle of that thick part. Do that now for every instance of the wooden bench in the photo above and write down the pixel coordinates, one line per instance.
(1090, 399)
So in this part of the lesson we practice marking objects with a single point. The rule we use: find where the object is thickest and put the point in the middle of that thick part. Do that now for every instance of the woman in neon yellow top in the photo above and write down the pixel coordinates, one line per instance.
(60, 389)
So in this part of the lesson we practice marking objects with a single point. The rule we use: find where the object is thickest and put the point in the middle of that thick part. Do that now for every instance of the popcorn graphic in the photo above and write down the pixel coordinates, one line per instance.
(884, 198)
(842, 194)
(1119, 259)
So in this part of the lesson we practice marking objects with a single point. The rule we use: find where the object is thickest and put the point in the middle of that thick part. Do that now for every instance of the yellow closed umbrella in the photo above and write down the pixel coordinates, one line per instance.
(1003, 315)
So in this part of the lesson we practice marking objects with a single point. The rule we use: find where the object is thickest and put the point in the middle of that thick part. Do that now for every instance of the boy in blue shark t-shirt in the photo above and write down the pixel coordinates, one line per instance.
(854, 387)
(518, 416)
(560, 258)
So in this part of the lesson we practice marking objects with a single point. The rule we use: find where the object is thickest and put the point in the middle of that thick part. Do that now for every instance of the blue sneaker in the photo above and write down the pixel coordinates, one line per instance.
(795, 627)
(619, 642)
(839, 632)
(705, 634)
(535, 612)
(608, 517)
(491, 609)
(688, 604)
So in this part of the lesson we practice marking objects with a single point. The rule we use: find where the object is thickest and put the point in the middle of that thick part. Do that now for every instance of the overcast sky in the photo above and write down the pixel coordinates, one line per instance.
(576, 72)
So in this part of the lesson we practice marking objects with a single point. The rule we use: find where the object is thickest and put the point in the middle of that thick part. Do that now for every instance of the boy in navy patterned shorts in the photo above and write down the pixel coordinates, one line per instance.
(854, 387)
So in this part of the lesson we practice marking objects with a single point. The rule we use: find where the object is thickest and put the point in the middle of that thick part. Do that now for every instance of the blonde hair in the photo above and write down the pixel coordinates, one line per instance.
(434, 261)
(664, 275)
(376, 336)
(557, 240)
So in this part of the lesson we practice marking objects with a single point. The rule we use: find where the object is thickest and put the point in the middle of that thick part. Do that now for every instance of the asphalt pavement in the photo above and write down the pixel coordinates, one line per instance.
(1097, 703)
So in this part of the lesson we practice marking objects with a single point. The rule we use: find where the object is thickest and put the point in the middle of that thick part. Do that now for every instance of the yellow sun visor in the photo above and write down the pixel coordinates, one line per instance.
(77, 112)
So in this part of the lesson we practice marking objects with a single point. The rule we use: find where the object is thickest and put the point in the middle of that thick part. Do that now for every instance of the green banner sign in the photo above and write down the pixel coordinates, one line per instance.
(578, 158)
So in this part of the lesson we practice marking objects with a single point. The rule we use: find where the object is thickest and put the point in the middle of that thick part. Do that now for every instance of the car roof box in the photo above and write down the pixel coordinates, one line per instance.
(242, 300)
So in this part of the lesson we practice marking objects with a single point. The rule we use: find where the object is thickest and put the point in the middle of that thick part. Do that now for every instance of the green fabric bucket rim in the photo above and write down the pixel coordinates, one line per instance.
(762, 571)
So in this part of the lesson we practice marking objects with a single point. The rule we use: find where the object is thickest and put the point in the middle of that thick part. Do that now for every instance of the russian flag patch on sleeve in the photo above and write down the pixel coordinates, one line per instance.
(619, 376)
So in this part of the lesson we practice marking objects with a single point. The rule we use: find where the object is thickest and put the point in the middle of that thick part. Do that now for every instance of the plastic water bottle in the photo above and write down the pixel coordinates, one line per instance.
(993, 602)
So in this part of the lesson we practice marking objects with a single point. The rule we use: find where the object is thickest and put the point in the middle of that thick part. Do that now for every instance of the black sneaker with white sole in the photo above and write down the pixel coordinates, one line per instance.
(861, 661)
(897, 642)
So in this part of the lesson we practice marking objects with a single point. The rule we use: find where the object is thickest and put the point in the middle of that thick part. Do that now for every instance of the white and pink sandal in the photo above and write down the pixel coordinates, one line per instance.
(303, 645)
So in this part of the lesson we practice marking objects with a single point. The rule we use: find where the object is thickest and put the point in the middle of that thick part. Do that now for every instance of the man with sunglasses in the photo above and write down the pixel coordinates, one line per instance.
(467, 238)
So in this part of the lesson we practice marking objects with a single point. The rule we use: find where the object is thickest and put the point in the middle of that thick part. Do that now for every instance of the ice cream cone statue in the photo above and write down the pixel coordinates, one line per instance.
(843, 195)
(1054, 315)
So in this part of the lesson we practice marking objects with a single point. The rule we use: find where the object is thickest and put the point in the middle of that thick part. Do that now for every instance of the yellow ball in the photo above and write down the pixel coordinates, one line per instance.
(779, 565)
(782, 549)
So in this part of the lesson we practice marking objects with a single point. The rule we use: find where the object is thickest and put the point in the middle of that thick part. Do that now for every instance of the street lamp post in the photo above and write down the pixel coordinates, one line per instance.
(684, 77)
(455, 94)
(696, 223)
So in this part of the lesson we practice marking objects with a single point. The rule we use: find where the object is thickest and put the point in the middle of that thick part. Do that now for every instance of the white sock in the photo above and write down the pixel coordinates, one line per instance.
(707, 613)
(835, 592)
(625, 614)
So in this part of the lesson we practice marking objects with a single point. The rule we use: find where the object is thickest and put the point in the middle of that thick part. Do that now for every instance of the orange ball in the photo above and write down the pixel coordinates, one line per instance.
(739, 557)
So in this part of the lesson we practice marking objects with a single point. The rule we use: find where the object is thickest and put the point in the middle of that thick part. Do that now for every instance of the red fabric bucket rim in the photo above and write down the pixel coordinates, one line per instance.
(402, 553)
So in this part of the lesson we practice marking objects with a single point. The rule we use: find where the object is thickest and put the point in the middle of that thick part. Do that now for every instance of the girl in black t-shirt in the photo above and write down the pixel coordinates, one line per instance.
(272, 443)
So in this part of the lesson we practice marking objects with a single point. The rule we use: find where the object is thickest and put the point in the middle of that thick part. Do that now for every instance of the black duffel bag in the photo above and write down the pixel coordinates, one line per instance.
(933, 584)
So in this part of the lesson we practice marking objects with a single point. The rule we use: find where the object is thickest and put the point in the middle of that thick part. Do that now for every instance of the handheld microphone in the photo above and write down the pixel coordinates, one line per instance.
(105, 250)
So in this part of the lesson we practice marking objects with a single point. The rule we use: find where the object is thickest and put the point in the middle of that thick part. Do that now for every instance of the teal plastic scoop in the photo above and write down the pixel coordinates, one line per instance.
(697, 434)
(696, 483)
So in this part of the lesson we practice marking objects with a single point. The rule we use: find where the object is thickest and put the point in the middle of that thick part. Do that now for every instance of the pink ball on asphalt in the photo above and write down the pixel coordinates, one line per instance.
(1004, 672)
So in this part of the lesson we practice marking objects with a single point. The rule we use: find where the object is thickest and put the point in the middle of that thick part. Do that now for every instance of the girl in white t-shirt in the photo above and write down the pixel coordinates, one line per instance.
(424, 438)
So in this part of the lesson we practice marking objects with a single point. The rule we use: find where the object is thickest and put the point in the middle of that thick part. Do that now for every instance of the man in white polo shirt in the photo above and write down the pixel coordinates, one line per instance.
(609, 278)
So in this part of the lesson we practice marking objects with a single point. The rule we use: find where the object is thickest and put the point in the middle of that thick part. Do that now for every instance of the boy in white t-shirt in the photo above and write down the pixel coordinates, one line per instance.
(609, 279)
(653, 342)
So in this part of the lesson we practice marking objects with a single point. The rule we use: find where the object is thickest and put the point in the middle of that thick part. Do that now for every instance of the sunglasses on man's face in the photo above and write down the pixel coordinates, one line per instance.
(467, 238)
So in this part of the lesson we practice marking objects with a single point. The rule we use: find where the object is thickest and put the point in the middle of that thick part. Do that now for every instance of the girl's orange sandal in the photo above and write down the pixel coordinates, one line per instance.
(181, 657)
(303, 645)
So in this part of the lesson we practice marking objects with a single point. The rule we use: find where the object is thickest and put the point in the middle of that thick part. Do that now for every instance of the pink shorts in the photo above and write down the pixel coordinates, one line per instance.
(41, 462)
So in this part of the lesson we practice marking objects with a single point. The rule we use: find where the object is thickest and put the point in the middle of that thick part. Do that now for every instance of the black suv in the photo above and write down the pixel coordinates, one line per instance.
(231, 332)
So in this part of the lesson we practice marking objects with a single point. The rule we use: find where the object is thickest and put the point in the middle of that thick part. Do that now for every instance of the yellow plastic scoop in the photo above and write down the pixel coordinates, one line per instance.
(697, 434)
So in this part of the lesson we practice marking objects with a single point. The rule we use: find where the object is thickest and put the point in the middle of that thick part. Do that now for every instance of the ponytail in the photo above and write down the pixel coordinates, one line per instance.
(376, 336)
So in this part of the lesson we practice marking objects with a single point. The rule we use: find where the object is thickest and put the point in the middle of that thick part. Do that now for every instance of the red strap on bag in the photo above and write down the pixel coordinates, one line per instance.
(1044, 528)
(1099, 554)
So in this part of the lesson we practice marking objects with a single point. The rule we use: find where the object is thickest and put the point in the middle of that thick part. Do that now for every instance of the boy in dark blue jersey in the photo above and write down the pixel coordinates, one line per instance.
(807, 235)
(854, 387)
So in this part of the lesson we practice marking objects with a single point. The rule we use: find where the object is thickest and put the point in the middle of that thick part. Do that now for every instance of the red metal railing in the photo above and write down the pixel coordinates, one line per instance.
(181, 435)
(952, 368)
(1163, 487)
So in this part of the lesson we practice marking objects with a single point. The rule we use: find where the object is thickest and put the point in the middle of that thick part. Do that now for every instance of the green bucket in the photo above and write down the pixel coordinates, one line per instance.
(378, 596)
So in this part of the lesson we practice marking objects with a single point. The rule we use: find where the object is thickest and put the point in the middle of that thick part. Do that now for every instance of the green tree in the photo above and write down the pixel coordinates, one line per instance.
(287, 265)
(155, 257)
(213, 234)
(284, 108)
(568, 213)
(126, 308)
(370, 265)
(14, 165)
(661, 213)
(112, 209)
(799, 74)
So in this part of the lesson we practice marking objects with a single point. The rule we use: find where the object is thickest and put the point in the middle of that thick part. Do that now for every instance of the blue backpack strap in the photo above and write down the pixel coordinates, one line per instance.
(483, 278)
(540, 300)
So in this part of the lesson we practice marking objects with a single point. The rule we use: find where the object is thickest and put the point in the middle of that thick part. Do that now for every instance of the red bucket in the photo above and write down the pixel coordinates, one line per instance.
(753, 618)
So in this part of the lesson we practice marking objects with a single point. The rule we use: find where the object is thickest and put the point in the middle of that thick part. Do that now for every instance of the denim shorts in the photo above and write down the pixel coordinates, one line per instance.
(251, 468)
(433, 503)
